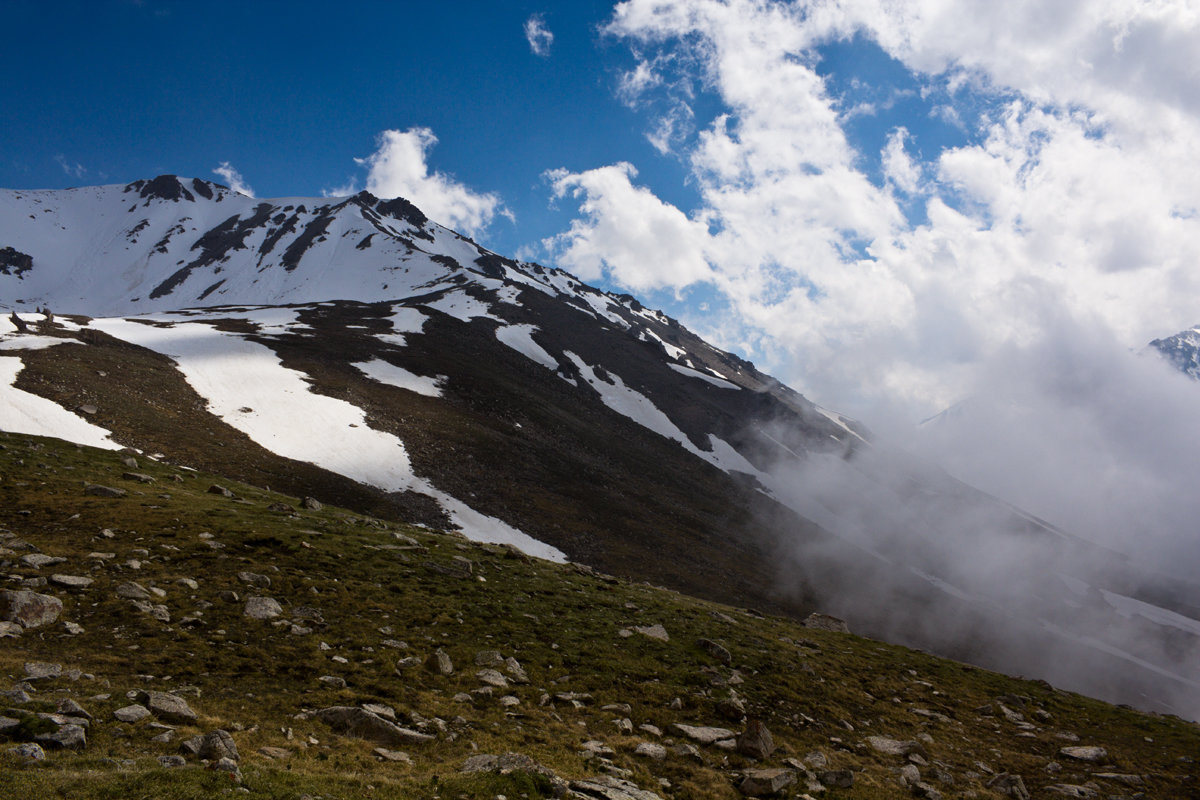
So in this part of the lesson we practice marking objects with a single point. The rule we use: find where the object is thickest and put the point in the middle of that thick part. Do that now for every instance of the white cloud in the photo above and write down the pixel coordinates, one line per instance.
(626, 232)
(540, 37)
(75, 170)
(898, 167)
(234, 179)
(398, 168)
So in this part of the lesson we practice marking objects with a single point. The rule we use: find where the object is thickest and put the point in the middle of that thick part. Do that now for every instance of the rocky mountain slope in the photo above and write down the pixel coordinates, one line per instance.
(1182, 351)
(168, 633)
(366, 356)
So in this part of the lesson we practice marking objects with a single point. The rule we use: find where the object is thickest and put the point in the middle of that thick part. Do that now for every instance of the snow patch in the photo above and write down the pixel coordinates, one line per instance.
(23, 412)
(520, 338)
(379, 370)
(692, 373)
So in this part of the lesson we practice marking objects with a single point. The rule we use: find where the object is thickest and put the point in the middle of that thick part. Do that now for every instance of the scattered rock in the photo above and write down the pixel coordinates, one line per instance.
(1090, 753)
(73, 582)
(172, 761)
(392, 755)
(221, 490)
(703, 735)
(140, 477)
(254, 579)
(167, 707)
(492, 678)
(606, 787)
(262, 608)
(218, 744)
(766, 782)
(489, 658)
(29, 609)
(132, 591)
(824, 622)
(39, 560)
(29, 751)
(717, 651)
(515, 671)
(439, 663)
(651, 750)
(230, 767)
(333, 681)
(10, 629)
(1010, 785)
(756, 741)
(655, 631)
(353, 721)
(156, 610)
(837, 778)
(67, 737)
(894, 747)
(71, 708)
(281, 508)
(42, 670)
(311, 503)
(96, 490)
(1072, 790)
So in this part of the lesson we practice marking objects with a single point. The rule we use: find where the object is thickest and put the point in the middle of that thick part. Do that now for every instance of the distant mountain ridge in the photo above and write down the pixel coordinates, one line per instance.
(353, 350)
(1182, 351)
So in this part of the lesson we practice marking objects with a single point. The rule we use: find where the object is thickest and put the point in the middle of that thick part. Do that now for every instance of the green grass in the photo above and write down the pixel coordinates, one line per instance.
(256, 679)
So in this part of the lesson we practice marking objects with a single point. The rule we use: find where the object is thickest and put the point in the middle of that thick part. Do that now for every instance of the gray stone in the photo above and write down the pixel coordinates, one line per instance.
(894, 747)
(132, 591)
(392, 755)
(172, 761)
(277, 753)
(157, 611)
(357, 722)
(909, 775)
(167, 707)
(218, 744)
(71, 708)
(717, 651)
(607, 787)
(701, 734)
(489, 658)
(766, 782)
(837, 778)
(39, 560)
(756, 740)
(1009, 785)
(1091, 753)
(29, 609)
(10, 629)
(1072, 790)
(72, 582)
(42, 670)
(254, 579)
(651, 750)
(439, 663)
(311, 503)
(28, 752)
(515, 671)
(262, 608)
(140, 477)
(333, 681)
(655, 631)
(492, 678)
(133, 713)
(824, 622)
(67, 737)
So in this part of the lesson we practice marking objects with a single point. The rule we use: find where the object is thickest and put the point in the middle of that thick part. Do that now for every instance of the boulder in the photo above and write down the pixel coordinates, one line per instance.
(515, 671)
(489, 658)
(132, 591)
(10, 629)
(766, 782)
(606, 787)
(1009, 785)
(42, 670)
(262, 608)
(67, 737)
(492, 678)
(362, 724)
(254, 579)
(218, 744)
(756, 741)
(655, 631)
(29, 609)
(95, 490)
(1090, 753)
(824, 622)
(895, 747)
(701, 734)
(439, 663)
(73, 582)
(167, 707)
(29, 751)
(651, 750)
(717, 651)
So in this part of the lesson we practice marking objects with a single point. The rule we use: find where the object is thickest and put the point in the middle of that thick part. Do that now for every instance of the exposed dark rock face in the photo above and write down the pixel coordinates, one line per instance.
(14, 262)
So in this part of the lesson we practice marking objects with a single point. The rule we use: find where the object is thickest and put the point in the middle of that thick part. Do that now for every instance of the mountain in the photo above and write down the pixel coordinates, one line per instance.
(352, 350)
(1182, 351)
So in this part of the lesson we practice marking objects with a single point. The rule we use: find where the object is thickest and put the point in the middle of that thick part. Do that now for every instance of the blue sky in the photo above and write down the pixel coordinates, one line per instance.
(892, 206)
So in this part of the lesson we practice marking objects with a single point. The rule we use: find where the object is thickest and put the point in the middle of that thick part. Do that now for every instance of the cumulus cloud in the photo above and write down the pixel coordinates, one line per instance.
(540, 37)
(234, 179)
(626, 232)
(398, 168)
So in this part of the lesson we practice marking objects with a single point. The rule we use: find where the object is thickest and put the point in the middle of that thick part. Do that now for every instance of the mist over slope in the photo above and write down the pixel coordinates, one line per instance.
(355, 350)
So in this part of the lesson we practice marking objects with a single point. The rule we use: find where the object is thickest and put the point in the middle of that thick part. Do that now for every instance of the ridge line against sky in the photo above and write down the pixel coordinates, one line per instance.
(892, 205)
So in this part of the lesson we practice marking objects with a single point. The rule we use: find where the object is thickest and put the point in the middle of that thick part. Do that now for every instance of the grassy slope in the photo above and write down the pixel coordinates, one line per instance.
(253, 677)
